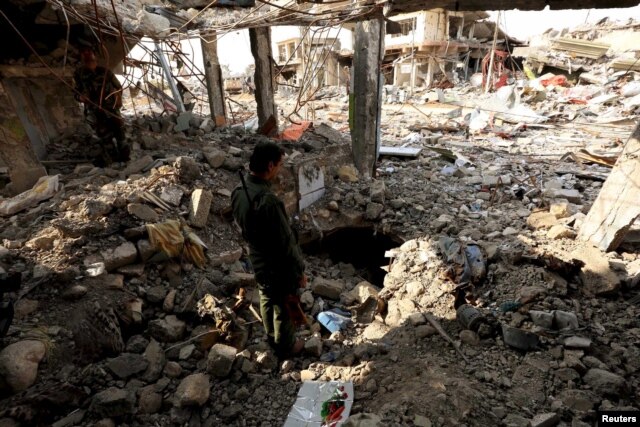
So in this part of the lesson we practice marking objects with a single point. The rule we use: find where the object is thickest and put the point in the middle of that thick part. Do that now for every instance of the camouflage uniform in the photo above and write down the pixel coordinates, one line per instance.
(103, 90)
(274, 254)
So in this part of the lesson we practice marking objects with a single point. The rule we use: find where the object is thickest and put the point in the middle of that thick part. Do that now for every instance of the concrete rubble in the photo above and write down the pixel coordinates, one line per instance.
(486, 214)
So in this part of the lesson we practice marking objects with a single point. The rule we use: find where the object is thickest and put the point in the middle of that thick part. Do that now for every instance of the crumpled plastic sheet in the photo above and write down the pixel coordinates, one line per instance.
(471, 266)
(306, 411)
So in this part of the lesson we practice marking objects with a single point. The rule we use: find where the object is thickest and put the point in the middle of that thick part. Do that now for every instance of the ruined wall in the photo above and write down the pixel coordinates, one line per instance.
(436, 25)
(392, 40)
(45, 106)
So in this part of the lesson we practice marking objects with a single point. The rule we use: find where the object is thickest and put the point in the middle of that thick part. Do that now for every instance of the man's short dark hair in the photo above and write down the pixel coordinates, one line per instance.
(263, 153)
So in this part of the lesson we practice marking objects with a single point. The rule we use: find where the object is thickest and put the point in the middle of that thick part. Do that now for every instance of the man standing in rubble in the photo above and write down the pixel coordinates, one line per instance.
(273, 246)
(101, 93)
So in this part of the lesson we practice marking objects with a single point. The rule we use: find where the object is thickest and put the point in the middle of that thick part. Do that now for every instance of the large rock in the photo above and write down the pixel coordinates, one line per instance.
(193, 390)
(215, 158)
(19, 364)
(113, 402)
(220, 360)
(605, 382)
(149, 401)
(327, 288)
(127, 364)
(169, 329)
(124, 254)
(377, 191)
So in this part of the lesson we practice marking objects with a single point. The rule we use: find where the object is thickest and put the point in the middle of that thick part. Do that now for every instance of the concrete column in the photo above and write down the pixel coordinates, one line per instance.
(213, 76)
(367, 100)
(260, 39)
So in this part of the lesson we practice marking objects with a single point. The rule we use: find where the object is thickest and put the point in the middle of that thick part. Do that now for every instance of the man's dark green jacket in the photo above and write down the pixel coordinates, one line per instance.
(274, 251)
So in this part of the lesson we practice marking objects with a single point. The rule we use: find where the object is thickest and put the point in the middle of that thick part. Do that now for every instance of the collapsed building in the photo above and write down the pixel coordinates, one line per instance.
(504, 223)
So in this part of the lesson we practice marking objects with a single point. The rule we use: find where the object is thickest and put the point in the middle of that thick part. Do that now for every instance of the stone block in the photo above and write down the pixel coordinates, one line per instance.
(199, 209)
(193, 391)
(124, 254)
(220, 360)
(327, 288)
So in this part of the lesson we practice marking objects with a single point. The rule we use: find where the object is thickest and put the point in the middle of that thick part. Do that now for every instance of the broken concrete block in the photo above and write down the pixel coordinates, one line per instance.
(200, 205)
(137, 165)
(207, 125)
(169, 329)
(597, 276)
(560, 231)
(605, 382)
(113, 402)
(313, 346)
(124, 254)
(541, 220)
(565, 320)
(348, 173)
(327, 288)
(545, 420)
(563, 209)
(494, 180)
(187, 168)
(543, 319)
(220, 360)
(577, 342)
(374, 210)
(146, 249)
(192, 391)
(183, 120)
(377, 191)
(171, 195)
(143, 212)
(364, 290)
(127, 364)
(215, 158)
(563, 193)
(43, 189)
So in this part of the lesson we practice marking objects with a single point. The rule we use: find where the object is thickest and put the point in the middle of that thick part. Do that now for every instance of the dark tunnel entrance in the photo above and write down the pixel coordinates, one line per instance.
(360, 246)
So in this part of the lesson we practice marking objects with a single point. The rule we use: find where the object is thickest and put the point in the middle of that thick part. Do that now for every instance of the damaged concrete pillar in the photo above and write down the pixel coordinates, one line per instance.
(367, 99)
(213, 75)
(16, 151)
(261, 49)
(616, 208)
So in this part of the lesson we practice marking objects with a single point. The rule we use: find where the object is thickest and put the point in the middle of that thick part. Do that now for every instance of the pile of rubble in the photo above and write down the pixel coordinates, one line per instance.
(137, 300)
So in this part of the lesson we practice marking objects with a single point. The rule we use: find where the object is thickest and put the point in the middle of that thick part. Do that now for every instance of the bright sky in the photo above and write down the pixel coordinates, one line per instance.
(523, 25)
(234, 49)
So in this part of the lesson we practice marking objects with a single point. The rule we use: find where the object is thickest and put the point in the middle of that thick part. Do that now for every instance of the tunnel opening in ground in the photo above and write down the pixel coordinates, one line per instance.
(362, 247)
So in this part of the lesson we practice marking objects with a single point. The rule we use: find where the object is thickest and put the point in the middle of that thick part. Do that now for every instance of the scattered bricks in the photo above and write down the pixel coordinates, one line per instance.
(377, 191)
(220, 360)
(143, 212)
(187, 168)
(541, 220)
(169, 329)
(124, 254)
(200, 205)
(215, 158)
(193, 391)
(327, 288)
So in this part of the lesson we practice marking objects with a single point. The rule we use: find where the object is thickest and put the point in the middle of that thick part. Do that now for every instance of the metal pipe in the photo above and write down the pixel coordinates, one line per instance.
(169, 77)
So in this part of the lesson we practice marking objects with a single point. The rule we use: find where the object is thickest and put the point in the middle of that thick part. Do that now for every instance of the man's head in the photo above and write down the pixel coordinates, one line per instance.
(88, 58)
(266, 160)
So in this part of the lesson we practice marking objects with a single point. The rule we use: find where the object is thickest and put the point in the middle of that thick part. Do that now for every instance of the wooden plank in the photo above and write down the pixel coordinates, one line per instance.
(616, 206)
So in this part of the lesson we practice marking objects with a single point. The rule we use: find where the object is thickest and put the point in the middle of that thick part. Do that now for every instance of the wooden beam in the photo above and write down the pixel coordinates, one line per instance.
(260, 39)
(616, 207)
(367, 94)
(213, 77)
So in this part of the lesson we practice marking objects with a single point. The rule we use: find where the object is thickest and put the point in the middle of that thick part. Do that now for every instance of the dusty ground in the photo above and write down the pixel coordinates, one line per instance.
(117, 369)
